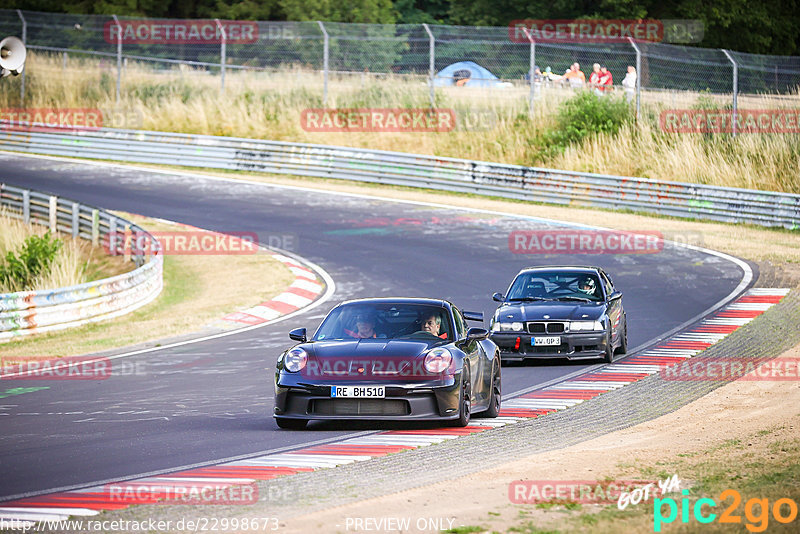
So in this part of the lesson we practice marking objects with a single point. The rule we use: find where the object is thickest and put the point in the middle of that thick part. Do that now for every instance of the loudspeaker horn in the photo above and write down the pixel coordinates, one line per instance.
(12, 56)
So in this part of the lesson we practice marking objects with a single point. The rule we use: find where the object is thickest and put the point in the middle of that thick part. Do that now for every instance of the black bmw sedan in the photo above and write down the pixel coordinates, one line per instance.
(560, 312)
(407, 359)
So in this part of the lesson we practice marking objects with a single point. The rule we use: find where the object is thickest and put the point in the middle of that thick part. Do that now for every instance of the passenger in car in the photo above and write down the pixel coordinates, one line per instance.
(433, 325)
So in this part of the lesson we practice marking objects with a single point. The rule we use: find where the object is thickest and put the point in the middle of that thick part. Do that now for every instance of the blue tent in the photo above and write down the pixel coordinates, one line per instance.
(476, 75)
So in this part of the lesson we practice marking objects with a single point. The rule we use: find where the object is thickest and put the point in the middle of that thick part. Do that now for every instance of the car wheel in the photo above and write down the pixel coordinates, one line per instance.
(609, 356)
(291, 424)
(465, 404)
(623, 344)
(496, 395)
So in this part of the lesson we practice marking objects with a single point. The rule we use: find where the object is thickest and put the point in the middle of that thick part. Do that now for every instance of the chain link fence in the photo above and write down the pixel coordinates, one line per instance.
(341, 53)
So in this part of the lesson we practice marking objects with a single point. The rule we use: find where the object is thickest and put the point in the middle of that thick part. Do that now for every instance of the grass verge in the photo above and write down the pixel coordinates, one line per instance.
(197, 290)
(494, 125)
(75, 262)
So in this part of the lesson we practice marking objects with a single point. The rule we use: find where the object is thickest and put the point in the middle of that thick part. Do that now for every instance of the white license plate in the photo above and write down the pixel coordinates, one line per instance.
(358, 392)
(546, 341)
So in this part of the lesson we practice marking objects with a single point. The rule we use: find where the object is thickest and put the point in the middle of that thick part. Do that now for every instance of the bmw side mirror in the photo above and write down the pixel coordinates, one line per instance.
(298, 334)
(498, 297)
(477, 334)
(615, 295)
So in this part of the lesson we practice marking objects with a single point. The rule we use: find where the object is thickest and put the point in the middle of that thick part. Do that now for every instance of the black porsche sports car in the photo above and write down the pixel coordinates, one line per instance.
(389, 358)
(560, 312)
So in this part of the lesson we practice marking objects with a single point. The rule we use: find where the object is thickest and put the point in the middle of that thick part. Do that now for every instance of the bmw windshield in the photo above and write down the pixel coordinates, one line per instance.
(561, 286)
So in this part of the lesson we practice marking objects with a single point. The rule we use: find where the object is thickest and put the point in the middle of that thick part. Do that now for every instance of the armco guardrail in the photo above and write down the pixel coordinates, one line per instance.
(27, 312)
(451, 174)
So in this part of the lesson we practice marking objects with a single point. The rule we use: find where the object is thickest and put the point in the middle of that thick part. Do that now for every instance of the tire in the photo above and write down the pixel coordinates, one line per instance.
(465, 403)
(609, 356)
(291, 424)
(496, 396)
(623, 344)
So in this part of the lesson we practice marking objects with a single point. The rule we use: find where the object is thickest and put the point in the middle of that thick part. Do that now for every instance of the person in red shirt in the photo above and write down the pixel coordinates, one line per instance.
(606, 80)
(365, 327)
(594, 78)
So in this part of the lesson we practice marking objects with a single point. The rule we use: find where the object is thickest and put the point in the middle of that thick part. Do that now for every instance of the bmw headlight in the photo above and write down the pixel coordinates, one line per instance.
(438, 360)
(295, 360)
(585, 326)
(507, 327)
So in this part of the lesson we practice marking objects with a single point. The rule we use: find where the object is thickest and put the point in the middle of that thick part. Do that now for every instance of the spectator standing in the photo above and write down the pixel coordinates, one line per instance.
(606, 79)
(594, 79)
(629, 83)
(575, 76)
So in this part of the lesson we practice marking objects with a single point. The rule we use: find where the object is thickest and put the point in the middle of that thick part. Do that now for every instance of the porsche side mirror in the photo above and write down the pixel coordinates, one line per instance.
(477, 334)
(615, 295)
(498, 297)
(298, 334)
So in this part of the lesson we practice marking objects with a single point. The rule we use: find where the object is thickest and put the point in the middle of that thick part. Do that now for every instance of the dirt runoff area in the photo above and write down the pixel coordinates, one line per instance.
(741, 436)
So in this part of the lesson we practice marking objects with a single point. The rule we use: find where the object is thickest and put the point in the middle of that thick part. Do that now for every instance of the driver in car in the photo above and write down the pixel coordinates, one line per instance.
(365, 327)
(588, 286)
(433, 324)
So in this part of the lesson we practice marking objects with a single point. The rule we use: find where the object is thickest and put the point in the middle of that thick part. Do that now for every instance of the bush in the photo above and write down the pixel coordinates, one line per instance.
(36, 256)
(587, 114)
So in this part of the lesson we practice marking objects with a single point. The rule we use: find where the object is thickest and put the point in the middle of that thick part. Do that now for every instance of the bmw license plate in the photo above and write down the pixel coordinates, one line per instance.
(547, 341)
(358, 392)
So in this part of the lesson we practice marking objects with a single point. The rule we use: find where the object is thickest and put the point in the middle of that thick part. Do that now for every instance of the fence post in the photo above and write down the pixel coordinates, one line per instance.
(432, 64)
(735, 89)
(531, 69)
(325, 54)
(95, 227)
(119, 54)
(25, 42)
(76, 220)
(638, 77)
(53, 212)
(26, 206)
(222, 53)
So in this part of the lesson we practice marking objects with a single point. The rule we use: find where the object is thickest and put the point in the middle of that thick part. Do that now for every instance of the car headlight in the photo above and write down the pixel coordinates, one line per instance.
(578, 326)
(515, 326)
(295, 360)
(438, 360)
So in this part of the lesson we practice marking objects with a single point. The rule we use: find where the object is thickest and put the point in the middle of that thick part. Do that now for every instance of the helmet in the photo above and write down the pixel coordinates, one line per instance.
(587, 285)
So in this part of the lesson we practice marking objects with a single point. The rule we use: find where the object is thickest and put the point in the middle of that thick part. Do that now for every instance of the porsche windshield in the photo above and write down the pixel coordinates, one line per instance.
(369, 320)
(562, 286)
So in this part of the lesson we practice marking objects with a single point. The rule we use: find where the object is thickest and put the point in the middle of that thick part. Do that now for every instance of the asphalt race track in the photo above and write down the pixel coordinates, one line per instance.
(211, 400)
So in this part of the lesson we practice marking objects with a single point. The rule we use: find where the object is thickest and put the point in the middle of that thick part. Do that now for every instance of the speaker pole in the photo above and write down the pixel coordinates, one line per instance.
(25, 42)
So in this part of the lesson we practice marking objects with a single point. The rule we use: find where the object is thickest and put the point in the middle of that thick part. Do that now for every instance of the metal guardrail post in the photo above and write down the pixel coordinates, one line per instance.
(735, 89)
(432, 63)
(325, 59)
(119, 55)
(638, 77)
(95, 227)
(53, 212)
(24, 41)
(76, 220)
(26, 207)
(222, 53)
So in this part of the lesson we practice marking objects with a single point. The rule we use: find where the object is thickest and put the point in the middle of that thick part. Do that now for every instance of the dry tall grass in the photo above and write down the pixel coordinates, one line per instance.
(268, 105)
(75, 263)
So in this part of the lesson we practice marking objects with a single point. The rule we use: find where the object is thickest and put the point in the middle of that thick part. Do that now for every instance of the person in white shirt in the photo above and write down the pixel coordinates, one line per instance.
(629, 83)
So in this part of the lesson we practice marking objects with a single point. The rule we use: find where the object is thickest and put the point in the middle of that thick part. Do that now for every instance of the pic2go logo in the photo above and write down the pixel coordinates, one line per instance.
(756, 511)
